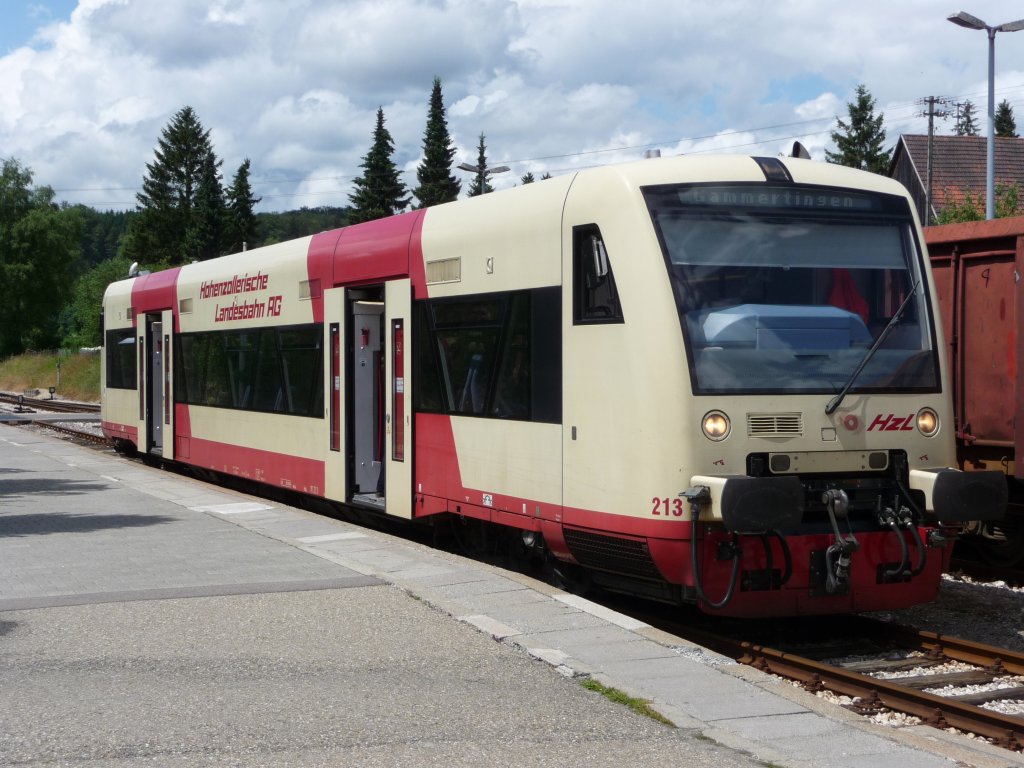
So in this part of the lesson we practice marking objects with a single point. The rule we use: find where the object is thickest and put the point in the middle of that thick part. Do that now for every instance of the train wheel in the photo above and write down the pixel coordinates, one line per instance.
(568, 577)
(1003, 547)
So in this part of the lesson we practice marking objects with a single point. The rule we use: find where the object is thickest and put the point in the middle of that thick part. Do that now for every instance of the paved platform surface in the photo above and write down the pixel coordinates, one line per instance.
(146, 618)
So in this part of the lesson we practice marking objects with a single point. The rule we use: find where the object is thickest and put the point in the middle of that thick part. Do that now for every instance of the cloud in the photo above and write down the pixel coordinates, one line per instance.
(553, 85)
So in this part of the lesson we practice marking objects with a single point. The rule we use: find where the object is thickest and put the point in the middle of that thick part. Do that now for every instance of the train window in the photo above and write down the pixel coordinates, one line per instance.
(302, 362)
(784, 289)
(425, 376)
(467, 359)
(512, 391)
(120, 352)
(497, 356)
(595, 297)
(274, 370)
(268, 394)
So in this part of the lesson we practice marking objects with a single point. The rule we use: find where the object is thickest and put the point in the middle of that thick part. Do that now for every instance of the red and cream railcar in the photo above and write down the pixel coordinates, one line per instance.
(710, 380)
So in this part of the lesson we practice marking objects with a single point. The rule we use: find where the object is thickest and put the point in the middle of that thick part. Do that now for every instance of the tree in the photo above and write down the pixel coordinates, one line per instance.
(434, 174)
(527, 178)
(1005, 125)
(480, 185)
(169, 190)
(965, 123)
(289, 225)
(860, 141)
(205, 233)
(80, 318)
(240, 229)
(39, 251)
(379, 192)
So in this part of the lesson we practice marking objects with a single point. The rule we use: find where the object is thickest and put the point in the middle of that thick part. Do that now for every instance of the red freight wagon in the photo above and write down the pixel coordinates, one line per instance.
(977, 268)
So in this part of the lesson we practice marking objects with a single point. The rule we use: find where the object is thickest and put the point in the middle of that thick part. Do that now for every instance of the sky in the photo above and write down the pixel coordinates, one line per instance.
(87, 86)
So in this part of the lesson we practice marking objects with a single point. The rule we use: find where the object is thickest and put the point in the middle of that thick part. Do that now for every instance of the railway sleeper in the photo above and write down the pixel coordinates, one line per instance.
(970, 677)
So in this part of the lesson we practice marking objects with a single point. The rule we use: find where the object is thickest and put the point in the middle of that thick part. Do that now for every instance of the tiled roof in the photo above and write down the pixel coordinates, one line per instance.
(959, 164)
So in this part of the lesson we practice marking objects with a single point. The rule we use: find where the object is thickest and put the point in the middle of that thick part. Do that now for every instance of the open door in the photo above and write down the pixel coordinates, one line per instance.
(154, 385)
(365, 395)
(335, 470)
(398, 397)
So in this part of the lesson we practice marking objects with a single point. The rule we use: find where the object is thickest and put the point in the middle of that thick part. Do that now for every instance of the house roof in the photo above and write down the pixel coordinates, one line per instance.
(959, 164)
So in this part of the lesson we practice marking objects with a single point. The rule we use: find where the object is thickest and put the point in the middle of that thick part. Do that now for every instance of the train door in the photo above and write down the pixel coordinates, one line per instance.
(155, 389)
(366, 399)
(335, 327)
(398, 459)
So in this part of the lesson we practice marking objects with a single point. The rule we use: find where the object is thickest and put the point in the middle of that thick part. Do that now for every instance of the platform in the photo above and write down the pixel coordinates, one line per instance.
(145, 616)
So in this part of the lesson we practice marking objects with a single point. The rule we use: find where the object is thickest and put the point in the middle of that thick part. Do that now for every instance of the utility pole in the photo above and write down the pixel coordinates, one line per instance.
(932, 102)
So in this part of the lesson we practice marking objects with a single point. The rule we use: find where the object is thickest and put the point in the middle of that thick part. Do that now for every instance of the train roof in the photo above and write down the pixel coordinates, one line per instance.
(524, 219)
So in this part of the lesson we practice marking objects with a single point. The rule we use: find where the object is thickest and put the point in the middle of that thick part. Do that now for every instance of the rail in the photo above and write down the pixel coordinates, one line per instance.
(898, 694)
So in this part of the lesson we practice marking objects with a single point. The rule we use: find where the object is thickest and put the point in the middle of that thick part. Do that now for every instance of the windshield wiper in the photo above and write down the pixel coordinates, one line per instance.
(838, 399)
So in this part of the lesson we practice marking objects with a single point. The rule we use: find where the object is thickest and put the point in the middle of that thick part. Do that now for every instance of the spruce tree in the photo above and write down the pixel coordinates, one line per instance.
(859, 142)
(434, 174)
(480, 185)
(205, 233)
(156, 236)
(1005, 125)
(527, 178)
(965, 123)
(379, 192)
(240, 229)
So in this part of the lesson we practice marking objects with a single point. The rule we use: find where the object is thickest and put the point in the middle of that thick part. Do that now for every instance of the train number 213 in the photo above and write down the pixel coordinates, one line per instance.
(667, 507)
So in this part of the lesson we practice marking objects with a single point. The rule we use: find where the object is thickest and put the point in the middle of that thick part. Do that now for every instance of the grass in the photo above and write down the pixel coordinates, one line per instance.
(79, 374)
(640, 706)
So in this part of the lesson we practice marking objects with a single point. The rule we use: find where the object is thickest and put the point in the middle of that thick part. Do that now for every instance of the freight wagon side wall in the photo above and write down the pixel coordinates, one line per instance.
(977, 268)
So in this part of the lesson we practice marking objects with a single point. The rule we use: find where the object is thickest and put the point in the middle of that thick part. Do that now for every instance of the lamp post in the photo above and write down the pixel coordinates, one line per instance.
(965, 19)
(482, 173)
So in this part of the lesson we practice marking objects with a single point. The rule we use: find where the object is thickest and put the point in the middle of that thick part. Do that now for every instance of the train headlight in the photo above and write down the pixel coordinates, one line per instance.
(927, 422)
(716, 425)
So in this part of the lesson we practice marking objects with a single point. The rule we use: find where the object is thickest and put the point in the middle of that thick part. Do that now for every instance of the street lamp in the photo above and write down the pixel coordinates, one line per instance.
(964, 19)
(482, 173)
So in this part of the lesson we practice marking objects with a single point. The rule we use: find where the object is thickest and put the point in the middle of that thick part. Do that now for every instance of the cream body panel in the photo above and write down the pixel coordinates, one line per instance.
(625, 385)
(121, 406)
(503, 242)
(118, 406)
(274, 432)
(822, 433)
(285, 268)
(512, 458)
(826, 443)
(641, 366)
(117, 302)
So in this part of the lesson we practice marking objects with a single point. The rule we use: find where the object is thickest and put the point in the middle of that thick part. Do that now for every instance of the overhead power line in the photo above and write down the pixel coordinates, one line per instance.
(896, 111)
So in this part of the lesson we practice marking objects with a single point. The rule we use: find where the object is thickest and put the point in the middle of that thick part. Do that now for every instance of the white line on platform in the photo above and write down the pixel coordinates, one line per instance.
(232, 509)
(331, 537)
(616, 618)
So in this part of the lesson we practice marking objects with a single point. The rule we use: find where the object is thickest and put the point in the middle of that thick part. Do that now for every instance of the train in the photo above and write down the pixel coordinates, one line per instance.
(711, 381)
(977, 267)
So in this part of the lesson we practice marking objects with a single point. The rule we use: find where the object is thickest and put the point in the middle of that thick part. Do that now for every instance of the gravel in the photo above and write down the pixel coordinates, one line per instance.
(985, 612)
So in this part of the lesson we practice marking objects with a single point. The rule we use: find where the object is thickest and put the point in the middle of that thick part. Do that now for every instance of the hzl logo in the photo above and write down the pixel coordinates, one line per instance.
(892, 423)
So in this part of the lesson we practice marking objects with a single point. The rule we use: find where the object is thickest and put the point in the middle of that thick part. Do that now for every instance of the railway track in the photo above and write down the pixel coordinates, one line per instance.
(82, 435)
(27, 405)
(885, 666)
(44, 404)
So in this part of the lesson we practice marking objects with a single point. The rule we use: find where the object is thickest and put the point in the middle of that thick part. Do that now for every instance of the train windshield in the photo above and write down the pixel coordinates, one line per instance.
(785, 289)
